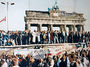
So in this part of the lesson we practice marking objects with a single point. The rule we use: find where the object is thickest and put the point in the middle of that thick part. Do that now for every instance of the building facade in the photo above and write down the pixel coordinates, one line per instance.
(54, 18)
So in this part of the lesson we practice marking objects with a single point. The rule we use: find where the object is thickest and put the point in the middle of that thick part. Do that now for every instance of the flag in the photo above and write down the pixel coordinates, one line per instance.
(4, 19)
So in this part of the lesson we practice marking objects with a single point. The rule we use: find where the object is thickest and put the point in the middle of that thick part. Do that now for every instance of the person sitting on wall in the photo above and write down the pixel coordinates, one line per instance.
(10, 42)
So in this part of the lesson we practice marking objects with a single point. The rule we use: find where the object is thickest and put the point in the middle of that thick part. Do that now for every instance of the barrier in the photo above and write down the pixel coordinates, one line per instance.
(50, 49)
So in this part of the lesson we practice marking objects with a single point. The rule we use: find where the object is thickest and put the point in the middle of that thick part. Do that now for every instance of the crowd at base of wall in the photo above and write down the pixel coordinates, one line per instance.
(75, 58)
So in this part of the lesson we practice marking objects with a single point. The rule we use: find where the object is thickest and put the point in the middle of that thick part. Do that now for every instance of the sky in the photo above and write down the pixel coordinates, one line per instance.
(16, 12)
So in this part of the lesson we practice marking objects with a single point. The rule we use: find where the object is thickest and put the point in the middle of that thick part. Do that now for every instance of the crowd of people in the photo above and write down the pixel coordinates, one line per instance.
(42, 37)
(79, 58)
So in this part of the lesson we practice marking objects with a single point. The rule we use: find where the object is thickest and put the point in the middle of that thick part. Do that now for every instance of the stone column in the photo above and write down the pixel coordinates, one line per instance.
(82, 28)
(28, 26)
(73, 28)
(48, 27)
(51, 27)
(61, 28)
(64, 27)
(39, 27)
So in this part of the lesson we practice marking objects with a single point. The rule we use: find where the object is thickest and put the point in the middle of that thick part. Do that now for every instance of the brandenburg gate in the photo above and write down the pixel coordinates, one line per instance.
(54, 17)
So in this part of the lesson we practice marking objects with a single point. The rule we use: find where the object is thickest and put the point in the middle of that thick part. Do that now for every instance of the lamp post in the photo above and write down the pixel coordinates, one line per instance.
(28, 4)
(7, 4)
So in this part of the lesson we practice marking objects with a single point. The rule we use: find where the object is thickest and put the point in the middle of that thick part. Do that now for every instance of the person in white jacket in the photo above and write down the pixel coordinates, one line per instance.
(51, 63)
(4, 63)
(85, 62)
(34, 36)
